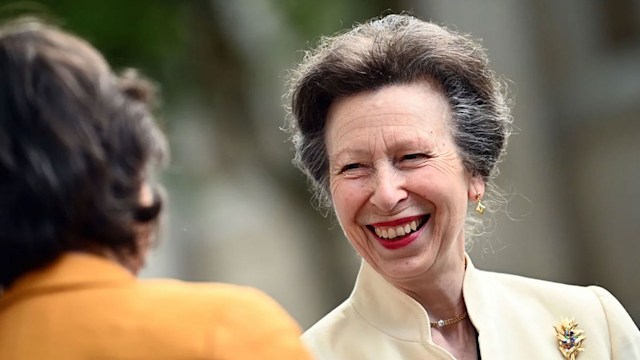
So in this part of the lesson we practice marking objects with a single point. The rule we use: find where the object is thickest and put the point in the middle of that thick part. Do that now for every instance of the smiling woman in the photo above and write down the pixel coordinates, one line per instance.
(394, 166)
(400, 125)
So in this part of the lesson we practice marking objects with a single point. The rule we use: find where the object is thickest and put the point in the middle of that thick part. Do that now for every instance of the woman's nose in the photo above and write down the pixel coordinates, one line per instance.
(388, 190)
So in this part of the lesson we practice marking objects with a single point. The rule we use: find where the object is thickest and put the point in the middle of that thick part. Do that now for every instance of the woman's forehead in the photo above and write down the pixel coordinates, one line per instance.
(420, 98)
(400, 113)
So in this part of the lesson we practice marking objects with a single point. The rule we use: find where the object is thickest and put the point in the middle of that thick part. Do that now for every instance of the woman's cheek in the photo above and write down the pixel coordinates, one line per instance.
(339, 190)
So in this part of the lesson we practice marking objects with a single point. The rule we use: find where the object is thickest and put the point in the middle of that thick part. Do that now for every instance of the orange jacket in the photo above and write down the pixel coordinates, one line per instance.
(87, 307)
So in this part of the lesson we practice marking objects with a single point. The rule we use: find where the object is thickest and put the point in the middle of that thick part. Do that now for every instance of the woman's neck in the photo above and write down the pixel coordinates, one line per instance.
(439, 290)
(131, 262)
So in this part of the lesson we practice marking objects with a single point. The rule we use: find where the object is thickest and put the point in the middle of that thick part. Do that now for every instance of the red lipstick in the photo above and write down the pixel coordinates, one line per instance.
(401, 241)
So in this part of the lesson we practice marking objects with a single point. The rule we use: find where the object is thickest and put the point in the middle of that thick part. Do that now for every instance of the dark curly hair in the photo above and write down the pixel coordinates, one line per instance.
(398, 49)
(75, 144)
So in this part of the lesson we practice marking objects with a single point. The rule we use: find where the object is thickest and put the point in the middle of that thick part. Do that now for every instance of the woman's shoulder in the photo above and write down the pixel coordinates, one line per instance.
(558, 297)
(557, 291)
(212, 304)
(533, 298)
(541, 304)
(530, 293)
(223, 296)
(248, 322)
(522, 284)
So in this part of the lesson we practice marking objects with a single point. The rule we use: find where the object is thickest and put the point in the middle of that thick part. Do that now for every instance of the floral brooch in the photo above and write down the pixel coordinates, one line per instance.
(570, 339)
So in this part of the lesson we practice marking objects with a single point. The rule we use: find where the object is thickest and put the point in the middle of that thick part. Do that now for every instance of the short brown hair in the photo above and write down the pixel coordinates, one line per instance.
(75, 143)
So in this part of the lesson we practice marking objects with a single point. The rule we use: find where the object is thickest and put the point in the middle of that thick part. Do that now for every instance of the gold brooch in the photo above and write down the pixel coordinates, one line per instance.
(569, 339)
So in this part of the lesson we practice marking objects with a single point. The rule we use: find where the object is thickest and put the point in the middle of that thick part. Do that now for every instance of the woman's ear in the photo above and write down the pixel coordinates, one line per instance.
(145, 228)
(150, 204)
(476, 187)
(146, 195)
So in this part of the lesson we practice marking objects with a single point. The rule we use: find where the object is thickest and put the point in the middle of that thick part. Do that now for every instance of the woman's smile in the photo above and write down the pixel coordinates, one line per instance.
(398, 233)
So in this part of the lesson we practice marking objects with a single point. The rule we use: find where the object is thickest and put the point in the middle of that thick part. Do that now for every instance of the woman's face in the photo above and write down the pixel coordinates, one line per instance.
(398, 185)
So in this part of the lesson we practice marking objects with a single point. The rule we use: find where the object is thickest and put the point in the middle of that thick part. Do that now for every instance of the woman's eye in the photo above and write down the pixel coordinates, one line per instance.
(413, 156)
(350, 167)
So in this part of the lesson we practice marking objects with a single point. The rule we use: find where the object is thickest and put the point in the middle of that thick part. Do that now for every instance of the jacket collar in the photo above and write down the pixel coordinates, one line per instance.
(479, 297)
(398, 315)
(71, 270)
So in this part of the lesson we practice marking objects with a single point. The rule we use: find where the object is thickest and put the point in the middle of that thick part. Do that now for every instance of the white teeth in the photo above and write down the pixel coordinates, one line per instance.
(392, 233)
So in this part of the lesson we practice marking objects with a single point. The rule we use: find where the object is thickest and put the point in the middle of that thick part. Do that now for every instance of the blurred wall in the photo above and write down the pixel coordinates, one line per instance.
(240, 212)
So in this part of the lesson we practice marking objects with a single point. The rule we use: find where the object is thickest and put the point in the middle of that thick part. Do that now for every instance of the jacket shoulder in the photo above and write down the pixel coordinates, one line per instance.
(171, 289)
(228, 304)
(535, 302)
(228, 321)
(624, 334)
(248, 323)
(536, 289)
(143, 319)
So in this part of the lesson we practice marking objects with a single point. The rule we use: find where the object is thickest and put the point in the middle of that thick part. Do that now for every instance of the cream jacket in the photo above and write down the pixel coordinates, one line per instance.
(514, 316)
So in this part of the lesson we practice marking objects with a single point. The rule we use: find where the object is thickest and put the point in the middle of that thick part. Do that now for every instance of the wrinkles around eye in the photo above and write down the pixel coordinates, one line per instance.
(350, 167)
(416, 156)
(413, 160)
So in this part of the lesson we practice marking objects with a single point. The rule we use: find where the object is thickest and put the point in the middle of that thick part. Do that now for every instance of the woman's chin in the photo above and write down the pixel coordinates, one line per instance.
(403, 269)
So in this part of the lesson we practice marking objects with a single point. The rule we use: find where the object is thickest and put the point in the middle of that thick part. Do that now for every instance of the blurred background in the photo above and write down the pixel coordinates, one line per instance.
(239, 212)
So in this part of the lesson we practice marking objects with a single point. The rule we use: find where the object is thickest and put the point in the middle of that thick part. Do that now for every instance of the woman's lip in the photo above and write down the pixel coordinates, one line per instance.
(400, 242)
(398, 221)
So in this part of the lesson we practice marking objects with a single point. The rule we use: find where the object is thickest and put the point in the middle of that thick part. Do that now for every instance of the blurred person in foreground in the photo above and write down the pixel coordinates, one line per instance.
(78, 213)
(399, 124)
